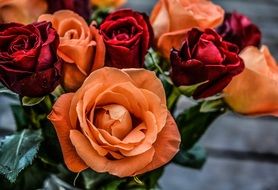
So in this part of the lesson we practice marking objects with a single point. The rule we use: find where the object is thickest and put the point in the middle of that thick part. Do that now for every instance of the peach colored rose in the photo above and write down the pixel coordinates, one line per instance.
(171, 19)
(255, 91)
(108, 3)
(21, 11)
(117, 122)
(81, 47)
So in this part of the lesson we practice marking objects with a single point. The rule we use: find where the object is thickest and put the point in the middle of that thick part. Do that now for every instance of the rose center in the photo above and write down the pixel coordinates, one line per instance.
(123, 34)
(115, 119)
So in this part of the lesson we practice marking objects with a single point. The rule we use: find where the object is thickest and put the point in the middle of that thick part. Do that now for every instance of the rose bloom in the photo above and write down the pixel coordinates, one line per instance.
(82, 7)
(127, 35)
(117, 122)
(81, 47)
(238, 28)
(21, 11)
(254, 91)
(171, 20)
(108, 3)
(204, 57)
(29, 64)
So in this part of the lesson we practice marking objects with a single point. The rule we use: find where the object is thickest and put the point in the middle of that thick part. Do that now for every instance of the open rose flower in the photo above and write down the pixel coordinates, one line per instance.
(21, 11)
(29, 64)
(238, 28)
(108, 3)
(82, 7)
(117, 122)
(204, 57)
(127, 36)
(171, 20)
(254, 91)
(81, 47)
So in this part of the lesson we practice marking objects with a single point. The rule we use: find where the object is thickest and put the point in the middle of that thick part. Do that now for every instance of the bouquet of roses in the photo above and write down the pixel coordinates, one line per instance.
(100, 90)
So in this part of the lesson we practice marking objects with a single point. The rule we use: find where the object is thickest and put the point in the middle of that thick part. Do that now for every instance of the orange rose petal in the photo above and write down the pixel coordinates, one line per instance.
(157, 108)
(255, 92)
(137, 101)
(147, 80)
(166, 146)
(102, 164)
(136, 135)
(160, 19)
(104, 138)
(150, 138)
(72, 78)
(23, 11)
(86, 129)
(171, 40)
(60, 120)
(100, 49)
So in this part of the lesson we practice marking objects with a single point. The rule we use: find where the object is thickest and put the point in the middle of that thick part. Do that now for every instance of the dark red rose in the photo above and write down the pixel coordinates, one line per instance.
(127, 35)
(82, 7)
(238, 29)
(205, 57)
(29, 64)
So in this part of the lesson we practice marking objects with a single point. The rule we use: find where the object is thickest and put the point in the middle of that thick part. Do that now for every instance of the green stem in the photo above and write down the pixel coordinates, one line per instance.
(173, 98)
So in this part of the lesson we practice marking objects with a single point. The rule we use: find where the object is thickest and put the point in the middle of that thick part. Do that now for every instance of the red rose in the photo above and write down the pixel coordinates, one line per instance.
(29, 64)
(82, 7)
(128, 36)
(205, 57)
(238, 29)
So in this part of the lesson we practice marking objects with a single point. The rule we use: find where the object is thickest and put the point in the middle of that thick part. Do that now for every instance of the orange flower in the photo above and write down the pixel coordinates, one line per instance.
(255, 91)
(117, 122)
(108, 3)
(171, 19)
(21, 11)
(81, 47)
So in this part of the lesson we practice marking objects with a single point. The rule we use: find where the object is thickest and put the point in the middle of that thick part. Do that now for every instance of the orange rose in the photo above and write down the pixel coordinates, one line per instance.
(255, 91)
(171, 19)
(117, 122)
(21, 11)
(108, 3)
(81, 47)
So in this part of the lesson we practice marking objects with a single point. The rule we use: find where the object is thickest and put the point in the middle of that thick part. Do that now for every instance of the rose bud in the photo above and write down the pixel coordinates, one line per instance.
(204, 57)
(127, 36)
(238, 29)
(254, 92)
(21, 11)
(82, 7)
(29, 64)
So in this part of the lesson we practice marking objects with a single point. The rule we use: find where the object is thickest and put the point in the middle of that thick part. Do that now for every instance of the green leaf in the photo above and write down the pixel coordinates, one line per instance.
(32, 177)
(192, 124)
(58, 92)
(193, 158)
(103, 181)
(189, 90)
(18, 151)
(212, 105)
(28, 101)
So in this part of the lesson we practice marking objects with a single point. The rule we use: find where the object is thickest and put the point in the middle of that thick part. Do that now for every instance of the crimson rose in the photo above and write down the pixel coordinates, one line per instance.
(127, 36)
(82, 7)
(205, 57)
(238, 29)
(29, 65)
